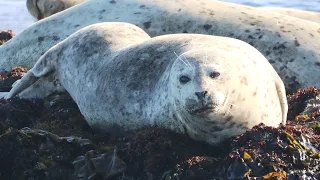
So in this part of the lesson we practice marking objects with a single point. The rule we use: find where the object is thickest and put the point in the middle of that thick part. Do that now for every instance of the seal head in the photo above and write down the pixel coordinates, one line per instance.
(209, 99)
(199, 100)
(44, 8)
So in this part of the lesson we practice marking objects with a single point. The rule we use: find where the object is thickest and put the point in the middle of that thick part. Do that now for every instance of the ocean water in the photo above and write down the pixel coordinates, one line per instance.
(310, 5)
(14, 14)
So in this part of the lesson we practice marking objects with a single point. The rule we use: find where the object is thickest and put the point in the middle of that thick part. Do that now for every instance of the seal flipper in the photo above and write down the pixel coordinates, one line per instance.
(3, 94)
(282, 97)
(27, 80)
(44, 67)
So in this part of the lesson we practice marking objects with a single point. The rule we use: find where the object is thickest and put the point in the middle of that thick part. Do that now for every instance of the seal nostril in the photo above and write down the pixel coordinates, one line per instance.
(205, 93)
(201, 95)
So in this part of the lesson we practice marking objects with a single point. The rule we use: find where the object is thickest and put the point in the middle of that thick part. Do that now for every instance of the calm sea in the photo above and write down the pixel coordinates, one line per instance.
(14, 15)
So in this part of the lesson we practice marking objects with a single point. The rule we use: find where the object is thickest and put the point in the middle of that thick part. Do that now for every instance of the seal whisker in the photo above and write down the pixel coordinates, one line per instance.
(206, 61)
(189, 64)
(185, 59)
(180, 58)
(228, 108)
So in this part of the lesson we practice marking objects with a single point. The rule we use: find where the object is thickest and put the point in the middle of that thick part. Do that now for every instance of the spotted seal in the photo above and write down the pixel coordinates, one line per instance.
(290, 47)
(207, 87)
(40, 9)
(307, 15)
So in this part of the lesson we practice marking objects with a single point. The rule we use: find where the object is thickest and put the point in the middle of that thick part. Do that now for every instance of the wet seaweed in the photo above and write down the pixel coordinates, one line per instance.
(5, 36)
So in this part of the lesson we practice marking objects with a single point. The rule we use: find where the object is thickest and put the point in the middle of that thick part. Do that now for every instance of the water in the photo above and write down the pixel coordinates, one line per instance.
(310, 5)
(14, 14)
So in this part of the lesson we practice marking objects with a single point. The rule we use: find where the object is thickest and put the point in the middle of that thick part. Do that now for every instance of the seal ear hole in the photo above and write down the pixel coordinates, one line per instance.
(184, 79)
(214, 74)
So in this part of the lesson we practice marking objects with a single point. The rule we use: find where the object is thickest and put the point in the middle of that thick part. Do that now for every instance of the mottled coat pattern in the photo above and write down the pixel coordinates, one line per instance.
(208, 87)
(290, 44)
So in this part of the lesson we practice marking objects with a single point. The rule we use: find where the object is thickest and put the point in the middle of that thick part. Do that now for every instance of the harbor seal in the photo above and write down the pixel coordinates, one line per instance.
(291, 48)
(40, 9)
(307, 15)
(207, 87)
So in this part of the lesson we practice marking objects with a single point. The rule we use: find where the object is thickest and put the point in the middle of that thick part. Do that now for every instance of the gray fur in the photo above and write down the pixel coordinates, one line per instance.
(121, 79)
(307, 15)
(290, 44)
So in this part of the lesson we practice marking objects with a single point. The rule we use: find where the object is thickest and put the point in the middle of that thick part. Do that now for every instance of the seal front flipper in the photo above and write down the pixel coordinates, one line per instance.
(42, 69)
(3, 94)
(26, 81)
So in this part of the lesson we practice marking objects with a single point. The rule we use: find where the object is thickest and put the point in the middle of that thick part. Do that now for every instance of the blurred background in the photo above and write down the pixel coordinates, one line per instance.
(14, 14)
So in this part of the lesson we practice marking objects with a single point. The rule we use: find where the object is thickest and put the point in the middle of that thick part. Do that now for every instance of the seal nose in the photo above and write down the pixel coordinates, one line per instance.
(201, 95)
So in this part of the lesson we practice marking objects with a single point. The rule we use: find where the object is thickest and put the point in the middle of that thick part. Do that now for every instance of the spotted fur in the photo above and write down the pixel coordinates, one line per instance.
(290, 44)
(307, 15)
(121, 79)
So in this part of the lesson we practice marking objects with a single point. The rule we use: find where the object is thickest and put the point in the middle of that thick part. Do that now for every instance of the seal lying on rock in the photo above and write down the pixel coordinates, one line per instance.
(208, 87)
(44, 8)
(290, 47)
(307, 15)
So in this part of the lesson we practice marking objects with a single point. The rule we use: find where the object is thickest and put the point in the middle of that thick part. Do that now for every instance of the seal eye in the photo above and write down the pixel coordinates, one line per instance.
(184, 79)
(214, 74)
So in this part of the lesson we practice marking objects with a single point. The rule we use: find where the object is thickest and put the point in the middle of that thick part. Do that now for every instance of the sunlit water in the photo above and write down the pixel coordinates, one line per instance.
(14, 14)
(310, 5)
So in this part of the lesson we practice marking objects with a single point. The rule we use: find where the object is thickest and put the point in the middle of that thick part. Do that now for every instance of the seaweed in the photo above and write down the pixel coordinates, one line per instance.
(5, 36)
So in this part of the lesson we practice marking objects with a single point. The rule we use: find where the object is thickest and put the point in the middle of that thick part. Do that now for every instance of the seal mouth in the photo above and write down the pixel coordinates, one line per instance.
(203, 110)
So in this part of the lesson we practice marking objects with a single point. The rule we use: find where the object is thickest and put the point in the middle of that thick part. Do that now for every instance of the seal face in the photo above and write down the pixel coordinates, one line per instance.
(40, 9)
(195, 73)
(212, 92)
(207, 87)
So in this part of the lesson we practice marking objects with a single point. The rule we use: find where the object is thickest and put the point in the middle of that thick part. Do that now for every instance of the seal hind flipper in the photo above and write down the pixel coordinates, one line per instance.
(42, 68)
(282, 97)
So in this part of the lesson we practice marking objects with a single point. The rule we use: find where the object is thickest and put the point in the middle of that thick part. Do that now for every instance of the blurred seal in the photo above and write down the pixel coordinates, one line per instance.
(43, 8)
